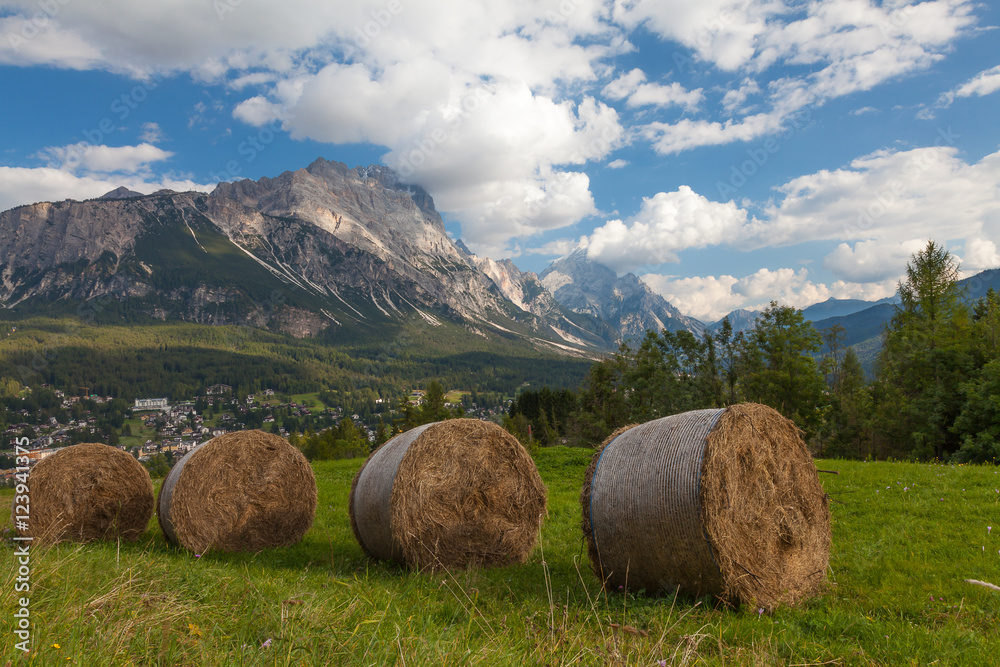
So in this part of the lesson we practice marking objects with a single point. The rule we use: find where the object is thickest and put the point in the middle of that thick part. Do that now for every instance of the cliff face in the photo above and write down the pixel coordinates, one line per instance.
(393, 230)
(301, 253)
(69, 248)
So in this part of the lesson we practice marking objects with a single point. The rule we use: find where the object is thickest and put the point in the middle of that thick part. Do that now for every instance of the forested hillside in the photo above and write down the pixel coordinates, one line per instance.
(180, 360)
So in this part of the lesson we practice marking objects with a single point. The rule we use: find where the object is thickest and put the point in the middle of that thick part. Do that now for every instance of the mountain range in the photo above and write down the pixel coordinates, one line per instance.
(317, 250)
(330, 250)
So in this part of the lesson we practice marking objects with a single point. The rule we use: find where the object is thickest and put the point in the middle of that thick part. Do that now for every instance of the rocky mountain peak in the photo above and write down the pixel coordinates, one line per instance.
(626, 302)
(740, 319)
(121, 193)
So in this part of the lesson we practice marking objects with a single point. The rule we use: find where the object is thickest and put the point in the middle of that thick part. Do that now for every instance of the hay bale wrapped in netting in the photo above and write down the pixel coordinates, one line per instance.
(457, 493)
(242, 491)
(87, 492)
(722, 502)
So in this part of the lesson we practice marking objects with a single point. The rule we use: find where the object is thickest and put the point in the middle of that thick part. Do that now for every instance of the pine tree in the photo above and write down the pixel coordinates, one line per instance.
(433, 409)
(850, 417)
(776, 368)
(926, 357)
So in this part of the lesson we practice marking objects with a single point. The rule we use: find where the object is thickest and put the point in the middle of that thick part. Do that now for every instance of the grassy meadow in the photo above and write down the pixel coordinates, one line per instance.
(905, 537)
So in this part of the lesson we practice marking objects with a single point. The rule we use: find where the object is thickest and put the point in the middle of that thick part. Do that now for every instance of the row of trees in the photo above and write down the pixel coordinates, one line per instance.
(934, 393)
(938, 379)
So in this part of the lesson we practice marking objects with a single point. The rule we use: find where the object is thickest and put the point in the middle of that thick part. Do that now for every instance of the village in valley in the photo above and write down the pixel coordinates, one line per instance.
(158, 432)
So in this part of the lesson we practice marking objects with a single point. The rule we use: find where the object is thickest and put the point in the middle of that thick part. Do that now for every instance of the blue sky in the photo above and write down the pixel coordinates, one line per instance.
(728, 151)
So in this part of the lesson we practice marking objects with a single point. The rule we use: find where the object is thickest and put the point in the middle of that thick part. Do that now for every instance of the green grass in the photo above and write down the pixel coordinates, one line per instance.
(310, 400)
(455, 396)
(905, 536)
(140, 434)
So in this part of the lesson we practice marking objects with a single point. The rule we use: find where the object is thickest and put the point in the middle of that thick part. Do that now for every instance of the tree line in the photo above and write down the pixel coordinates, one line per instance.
(933, 395)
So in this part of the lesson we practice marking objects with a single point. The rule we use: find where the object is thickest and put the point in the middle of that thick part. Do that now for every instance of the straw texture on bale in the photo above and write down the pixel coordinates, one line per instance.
(711, 502)
(88, 492)
(453, 494)
(242, 491)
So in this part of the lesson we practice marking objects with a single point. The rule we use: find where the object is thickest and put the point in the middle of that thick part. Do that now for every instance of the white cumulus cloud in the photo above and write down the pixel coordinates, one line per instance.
(84, 156)
(839, 47)
(889, 197)
(986, 82)
(636, 91)
(871, 261)
(979, 254)
(709, 298)
(666, 223)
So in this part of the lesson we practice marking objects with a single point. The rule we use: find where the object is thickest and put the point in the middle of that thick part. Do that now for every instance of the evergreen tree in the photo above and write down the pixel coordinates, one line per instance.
(926, 356)
(433, 409)
(158, 466)
(407, 415)
(978, 424)
(986, 328)
(602, 402)
(850, 418)
(729, 359)
(383, 432)
(776, 368)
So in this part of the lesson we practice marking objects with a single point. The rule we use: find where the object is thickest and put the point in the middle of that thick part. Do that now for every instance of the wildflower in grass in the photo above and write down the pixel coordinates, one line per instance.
(56, 646)
(661, 663)
(197, 555)
(194, 630)
(760, 612)
(989, 529)
(267, 643)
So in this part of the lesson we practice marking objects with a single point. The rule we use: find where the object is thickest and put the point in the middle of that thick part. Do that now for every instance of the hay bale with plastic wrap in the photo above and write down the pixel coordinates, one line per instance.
(88, 492)
(453, 494)
(242, 491)
(723, 502)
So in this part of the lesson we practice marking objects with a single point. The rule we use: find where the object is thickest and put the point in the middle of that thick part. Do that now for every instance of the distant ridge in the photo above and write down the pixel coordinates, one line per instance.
(841, 307)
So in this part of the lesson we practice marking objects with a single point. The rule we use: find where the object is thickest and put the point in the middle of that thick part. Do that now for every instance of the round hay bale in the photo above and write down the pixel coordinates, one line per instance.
(453, 494)
(86, 492)
(242, 491)
(722, 502)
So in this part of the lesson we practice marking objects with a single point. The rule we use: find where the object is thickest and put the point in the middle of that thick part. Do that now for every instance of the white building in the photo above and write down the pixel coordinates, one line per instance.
(151, 404)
